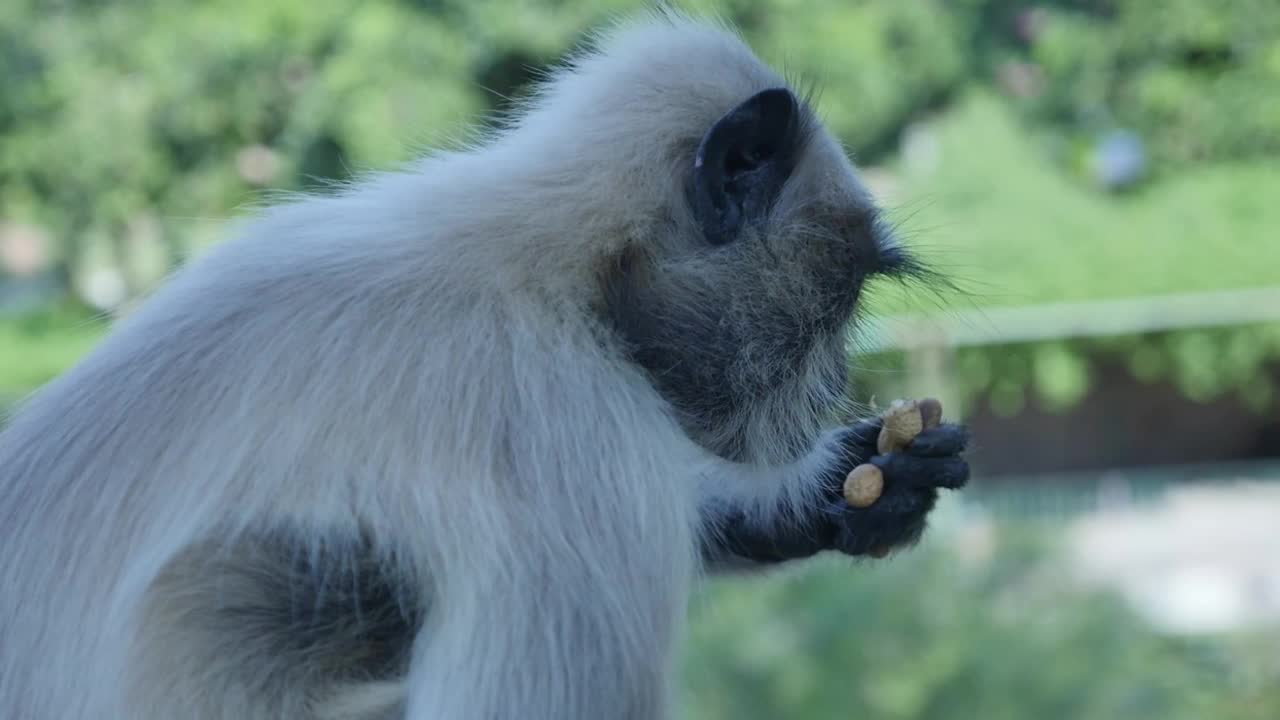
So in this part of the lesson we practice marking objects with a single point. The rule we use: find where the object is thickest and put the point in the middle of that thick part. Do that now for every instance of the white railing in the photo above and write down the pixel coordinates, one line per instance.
(1008, 325)
(929, 341)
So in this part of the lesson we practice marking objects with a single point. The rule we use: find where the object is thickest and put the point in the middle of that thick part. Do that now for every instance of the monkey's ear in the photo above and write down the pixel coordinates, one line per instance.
(743, 162)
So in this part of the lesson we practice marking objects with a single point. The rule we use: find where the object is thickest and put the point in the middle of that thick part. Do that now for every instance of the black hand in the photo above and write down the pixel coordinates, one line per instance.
(897, 518)
(912, 478)
(784, 538)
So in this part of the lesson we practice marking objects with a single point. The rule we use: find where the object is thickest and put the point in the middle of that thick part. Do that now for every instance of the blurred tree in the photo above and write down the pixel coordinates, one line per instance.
(1189, 77)
(941, 634)
(136, 114)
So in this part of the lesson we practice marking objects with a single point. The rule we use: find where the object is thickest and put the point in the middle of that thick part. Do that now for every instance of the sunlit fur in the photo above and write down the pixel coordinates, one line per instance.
(409, 382)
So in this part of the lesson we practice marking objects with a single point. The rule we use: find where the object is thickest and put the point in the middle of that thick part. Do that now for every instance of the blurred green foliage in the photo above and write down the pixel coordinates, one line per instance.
(36, 346)
(990, 212)
(1012, 232)
(128, 109)
(985, 629)
(1191, 77)
(114, 111)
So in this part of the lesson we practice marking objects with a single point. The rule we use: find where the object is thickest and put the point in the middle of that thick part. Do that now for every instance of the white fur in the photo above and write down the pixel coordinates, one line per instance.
(412, 356)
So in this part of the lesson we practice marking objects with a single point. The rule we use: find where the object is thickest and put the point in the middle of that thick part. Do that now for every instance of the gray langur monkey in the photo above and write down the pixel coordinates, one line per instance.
(454, 441)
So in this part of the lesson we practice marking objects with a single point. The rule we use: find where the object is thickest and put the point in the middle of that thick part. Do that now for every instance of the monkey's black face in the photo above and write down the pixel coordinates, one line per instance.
(740, 316)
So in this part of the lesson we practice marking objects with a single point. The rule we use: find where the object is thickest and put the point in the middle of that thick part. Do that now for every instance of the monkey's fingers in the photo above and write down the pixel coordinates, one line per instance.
(946, 472)
(940, 441)
(865, 432)
(763, 545)
(897, 520)
(857, 443)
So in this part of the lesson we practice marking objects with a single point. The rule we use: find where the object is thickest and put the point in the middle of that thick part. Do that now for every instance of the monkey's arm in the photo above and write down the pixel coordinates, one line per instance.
(742, 532)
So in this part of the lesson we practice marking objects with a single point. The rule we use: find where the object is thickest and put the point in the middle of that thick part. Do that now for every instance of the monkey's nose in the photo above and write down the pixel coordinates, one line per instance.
(875, 249)
(891, 259)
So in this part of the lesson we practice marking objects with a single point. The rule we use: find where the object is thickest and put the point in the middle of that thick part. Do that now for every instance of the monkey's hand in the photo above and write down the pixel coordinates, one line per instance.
(912, 478)
(737, 539)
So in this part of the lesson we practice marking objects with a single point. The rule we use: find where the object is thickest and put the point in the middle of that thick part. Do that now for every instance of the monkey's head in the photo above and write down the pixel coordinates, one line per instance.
(742, 242)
